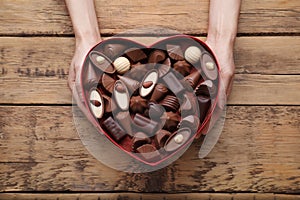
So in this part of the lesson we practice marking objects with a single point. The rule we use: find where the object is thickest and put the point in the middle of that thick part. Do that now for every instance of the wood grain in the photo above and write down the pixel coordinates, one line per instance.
(148, 196)
(32, 71)
(189, 17)
(257, 152)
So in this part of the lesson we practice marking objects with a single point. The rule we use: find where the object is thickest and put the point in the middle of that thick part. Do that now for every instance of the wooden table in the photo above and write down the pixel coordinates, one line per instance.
(42, 157)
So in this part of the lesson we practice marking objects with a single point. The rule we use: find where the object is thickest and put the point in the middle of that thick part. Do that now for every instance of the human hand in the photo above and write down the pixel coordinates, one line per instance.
(81, 50)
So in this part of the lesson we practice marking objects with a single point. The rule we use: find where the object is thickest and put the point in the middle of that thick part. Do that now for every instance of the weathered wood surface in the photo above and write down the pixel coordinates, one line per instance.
(32, 71)
(149, 196)
(257, 152)
(190, 17)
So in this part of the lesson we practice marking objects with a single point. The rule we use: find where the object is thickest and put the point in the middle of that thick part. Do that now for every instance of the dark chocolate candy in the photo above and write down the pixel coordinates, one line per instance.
(170, 102)
(204, 103)
(206, 88)
(140, 139)
(209, 67)
(189, 104)
(92, 78)
(114, 50)
(124, 119)
(177, 139)
(114, 129)
(163, 69)
(161, 137)
(109, 104)
(145, 124)
(135, 54)
(173, 83)
(156, 111)
(182, 67)
(193, 79)
(171, 121)
(157, 56)
(148, 152)
(100, 61)
(191, 121)
(159, 93)
(175, 52)
(138, 104)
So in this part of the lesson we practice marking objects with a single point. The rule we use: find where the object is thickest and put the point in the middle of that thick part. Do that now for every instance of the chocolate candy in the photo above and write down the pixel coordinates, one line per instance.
(114, 50)
(171, 121)
(114, 129)
(150, 76)
(161, 137)
(156, 111)
(193, 78)
(206, 88)
(209, 67)
(108, 83)
(170, 102)
(157, 56)
(121, 95)
(92, 79)
(110, 105)
(101, 62)
(192, 54)
(96, 103)
(204, 105)
(159, 93)
(135, 54)
(122, 65)
(189, 104)
(191, 121)
(163, 69)
(145, 124)
(177, 139)
(175, 52)
(173, 83)
(148, 152)
(123, 118)
(132, 85)
(140, 139)
(137, 72)
(182, 67)
(138, 104)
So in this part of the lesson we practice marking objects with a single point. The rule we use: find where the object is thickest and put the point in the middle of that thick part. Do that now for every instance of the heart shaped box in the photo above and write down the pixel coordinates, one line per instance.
(99, 80)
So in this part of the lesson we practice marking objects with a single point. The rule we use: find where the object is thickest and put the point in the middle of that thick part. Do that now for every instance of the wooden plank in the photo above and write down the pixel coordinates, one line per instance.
(257, 152)
(144, 196)
(36, 66)
(260, 55)
(190, 17)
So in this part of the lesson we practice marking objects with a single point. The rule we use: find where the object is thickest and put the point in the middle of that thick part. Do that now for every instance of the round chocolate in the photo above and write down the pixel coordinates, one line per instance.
(206, 88)
(121, 95)
(150, 76)
(209, 67)
(159, 92)
(171, 121)
(177, 139)
(122, 65)
(96, 103)
(192, 54)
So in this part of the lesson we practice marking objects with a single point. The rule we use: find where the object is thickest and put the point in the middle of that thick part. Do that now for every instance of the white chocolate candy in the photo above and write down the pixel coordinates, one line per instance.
(122, 65)
(100, 59)
(152, 76)
(97, 110)
(121, 95)
(192, 54)
(210, 66)
(178, 138)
